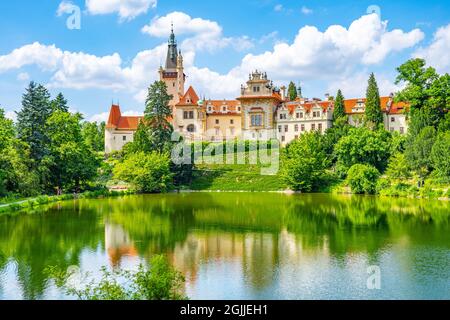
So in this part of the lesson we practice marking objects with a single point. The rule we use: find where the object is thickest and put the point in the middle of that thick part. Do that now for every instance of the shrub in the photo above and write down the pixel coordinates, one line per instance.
(148, 172)
(363, 178)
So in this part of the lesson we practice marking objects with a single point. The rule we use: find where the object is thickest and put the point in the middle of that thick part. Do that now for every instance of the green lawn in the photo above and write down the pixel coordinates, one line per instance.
(236, 177)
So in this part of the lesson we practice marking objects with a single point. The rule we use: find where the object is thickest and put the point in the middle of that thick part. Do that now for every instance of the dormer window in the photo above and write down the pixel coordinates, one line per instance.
(256, 89)
(224, 108)
(209, 109)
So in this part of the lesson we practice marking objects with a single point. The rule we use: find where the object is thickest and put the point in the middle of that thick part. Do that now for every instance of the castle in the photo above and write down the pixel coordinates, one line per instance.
(261, 112)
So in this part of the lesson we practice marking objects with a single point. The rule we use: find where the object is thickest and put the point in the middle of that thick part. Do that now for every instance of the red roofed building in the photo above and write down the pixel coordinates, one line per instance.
(395, 113)
(119, 129)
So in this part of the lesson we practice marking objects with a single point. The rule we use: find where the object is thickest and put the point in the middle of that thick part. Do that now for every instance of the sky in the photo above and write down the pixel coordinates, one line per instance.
(101, 51)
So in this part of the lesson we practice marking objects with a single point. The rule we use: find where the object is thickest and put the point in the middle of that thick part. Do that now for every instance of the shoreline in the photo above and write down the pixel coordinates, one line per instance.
(32, 203)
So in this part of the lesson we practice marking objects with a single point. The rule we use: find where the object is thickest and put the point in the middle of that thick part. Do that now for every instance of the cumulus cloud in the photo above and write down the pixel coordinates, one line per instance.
(126, 9)
(334, 55)
(12, 115)
(201, 33)
(437, 53)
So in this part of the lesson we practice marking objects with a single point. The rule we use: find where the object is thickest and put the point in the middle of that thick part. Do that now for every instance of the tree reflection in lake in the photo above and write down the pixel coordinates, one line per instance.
(238, 245)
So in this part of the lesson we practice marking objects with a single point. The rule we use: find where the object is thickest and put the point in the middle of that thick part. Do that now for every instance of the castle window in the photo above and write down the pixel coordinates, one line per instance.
(256, 120)
(297, 115)
(286, 128)
(303, 128)
(224, 109)
(231, 121)
(392, 119)
(283, 139)
(124, 138)
(320, 127)
(239, 109)
(256, 89)
(188, 115)
(282, 116)
(280, 129)
(296, 128)
(174, 84)
(313, 127)
(217, 121)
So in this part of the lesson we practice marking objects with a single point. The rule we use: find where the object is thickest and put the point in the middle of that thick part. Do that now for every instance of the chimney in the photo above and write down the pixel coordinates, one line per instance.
(283, 92)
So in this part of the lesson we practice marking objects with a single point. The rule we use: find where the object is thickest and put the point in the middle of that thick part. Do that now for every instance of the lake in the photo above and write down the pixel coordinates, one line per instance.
(239, 245)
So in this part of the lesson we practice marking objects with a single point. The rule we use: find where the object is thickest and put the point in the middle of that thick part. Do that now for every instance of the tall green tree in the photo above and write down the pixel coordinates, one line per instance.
(141, 142)
(60, 103)
(7, 131)
(418, 151)
(292, 91)
(363, 146)
(373, 114)
(31, 120)
(71, 162)
(157, 116)
(304, 162)
(440, 155)
(339, 107)
(94, 135)
(426, 92)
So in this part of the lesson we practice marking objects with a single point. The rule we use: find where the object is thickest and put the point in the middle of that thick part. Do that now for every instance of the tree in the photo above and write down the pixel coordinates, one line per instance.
(332, 136)
(141, 142)
(31, 120)
(373, 113)
(440, 155)
(94, 135)
(157, 116)
(147, 172)
(339, 107)
(71, 162)
(304, 162)
(426, 92)
(292, 91)
(15, 177)
(59, 103)
(363, 146)
(363, 178)
(398, 167)
(418, 151)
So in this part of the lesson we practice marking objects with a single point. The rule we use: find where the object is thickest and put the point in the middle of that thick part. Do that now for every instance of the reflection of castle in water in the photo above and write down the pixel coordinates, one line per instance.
(118, 244)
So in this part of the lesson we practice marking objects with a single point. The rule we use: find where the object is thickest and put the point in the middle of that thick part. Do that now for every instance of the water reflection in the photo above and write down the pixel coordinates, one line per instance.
(238, 245)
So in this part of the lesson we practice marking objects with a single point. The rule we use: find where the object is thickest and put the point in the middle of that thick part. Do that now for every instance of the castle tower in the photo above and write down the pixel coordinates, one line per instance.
(173, 72)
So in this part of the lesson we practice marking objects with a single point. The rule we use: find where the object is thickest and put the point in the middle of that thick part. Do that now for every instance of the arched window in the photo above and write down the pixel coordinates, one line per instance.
(190, 128)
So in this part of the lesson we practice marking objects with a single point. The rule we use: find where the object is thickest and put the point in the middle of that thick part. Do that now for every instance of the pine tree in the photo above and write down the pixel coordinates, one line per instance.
(292, 91)
(374, 115)
(157, 115)
(339, 107)
(31, 120)
(60, 103)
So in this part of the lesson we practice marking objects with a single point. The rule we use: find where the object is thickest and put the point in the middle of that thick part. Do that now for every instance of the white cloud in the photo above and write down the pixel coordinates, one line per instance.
(99, 117)
(278, 7)
(202, 34)
(306, 10)
(437, 54)
(11, 115)
(127, 9)
(355, 85)
(23, 76)
(333, 55)
(65, 7)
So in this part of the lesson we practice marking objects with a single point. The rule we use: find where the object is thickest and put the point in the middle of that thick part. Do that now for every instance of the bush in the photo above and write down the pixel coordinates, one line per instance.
(147, 172)
(363, 178)
(365, 146)
(304, 162)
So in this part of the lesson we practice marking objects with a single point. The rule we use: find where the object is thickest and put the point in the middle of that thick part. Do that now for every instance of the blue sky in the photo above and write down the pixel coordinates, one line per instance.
(324, 45)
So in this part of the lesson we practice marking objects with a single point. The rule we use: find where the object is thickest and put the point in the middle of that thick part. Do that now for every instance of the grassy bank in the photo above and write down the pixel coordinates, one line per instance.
(31, 203)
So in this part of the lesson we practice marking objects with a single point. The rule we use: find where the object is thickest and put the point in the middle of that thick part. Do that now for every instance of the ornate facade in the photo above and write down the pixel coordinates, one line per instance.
(261, 112)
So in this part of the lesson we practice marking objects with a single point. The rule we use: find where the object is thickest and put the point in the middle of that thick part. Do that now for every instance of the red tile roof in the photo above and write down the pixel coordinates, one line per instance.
(189, 95)
(309, 105)
(217, 105)
(119, 122)
(396, 107)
